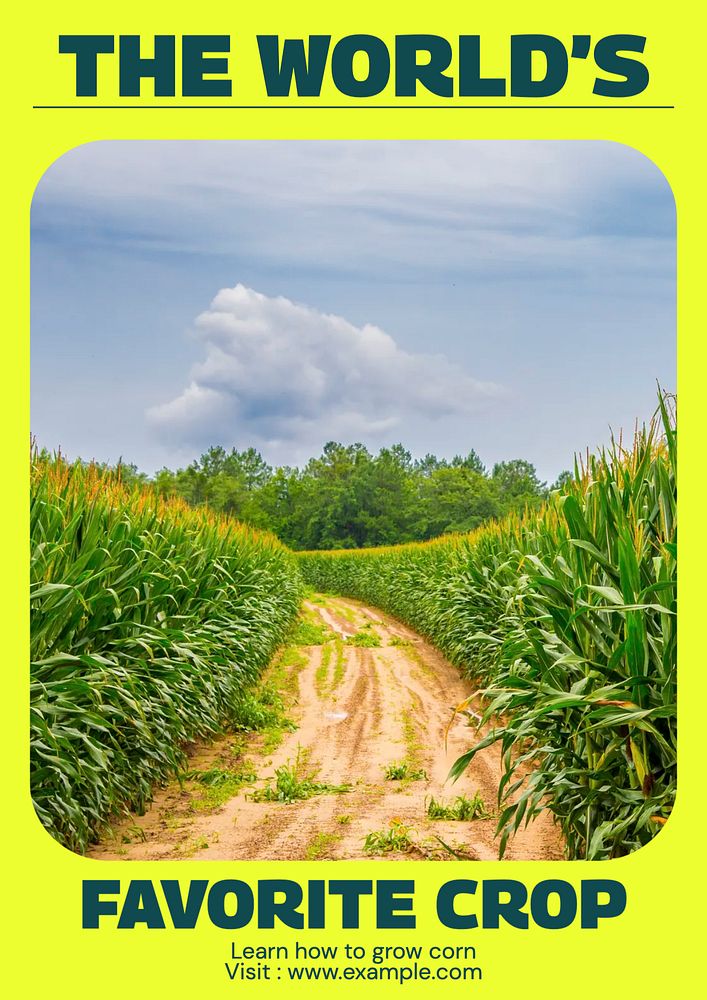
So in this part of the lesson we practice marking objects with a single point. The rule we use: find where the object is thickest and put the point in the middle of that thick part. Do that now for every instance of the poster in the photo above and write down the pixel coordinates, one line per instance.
(354, 338)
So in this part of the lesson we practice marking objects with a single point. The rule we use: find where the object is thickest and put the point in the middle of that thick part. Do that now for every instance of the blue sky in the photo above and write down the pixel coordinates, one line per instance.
(513, 297)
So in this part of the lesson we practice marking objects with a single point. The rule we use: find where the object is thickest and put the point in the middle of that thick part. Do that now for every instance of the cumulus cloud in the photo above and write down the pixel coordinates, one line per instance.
(280, 373)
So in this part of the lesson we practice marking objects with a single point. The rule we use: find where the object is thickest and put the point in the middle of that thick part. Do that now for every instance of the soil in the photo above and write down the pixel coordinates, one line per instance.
(390, 703)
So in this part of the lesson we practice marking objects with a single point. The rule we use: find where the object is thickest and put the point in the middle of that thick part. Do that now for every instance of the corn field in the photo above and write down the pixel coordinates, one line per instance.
(565, 618)
(151, 620)
(148, 622)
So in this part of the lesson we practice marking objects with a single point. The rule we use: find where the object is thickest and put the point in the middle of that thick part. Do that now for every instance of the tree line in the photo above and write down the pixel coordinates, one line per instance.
(348, 497)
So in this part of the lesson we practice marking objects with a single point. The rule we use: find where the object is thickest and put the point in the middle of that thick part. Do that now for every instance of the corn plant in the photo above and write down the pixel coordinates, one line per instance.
(295, 781)
(150, 621)
(398, 837)
(461, 809)
(404, 771)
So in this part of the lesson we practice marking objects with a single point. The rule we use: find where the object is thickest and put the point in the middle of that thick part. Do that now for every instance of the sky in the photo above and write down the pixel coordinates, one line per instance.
(514, 297)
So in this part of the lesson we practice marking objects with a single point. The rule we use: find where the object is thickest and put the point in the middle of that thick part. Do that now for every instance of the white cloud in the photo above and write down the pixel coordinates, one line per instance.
(280, 373)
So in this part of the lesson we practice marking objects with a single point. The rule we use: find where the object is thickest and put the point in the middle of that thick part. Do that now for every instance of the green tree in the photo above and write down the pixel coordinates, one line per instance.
(470, 461)
(456, 498)
(562, 480)
(349, 498)
(518, 484)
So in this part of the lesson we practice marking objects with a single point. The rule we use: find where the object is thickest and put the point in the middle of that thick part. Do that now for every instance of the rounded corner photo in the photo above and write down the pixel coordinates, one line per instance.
(353, 501)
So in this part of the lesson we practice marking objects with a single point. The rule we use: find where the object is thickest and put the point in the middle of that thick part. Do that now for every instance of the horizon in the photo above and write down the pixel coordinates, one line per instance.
(416, 457)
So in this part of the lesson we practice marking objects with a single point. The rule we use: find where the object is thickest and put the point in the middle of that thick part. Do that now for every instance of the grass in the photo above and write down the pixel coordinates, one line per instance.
(219, 786)
(320, 846)
(404, 771)
(321, 677)
(295, 781)
(256, 709)
(324, 684)
(318, 599)
(462, 808)
(339, 664)
(399, 838)
(280, 685)
(413, 746)
(133, 833)
(460, 852)
(284, 671)
(409, 769)
(364, 638)
(309, 632)
(396, 838)
(345, 612)
(414, 654)
(262, 710)
(193, 846)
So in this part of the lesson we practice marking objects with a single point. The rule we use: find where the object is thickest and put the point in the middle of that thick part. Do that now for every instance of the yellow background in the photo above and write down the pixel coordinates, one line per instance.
(655, 947)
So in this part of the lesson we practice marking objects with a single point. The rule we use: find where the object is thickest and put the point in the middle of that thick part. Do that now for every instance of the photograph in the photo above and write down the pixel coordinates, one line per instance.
(353, 496)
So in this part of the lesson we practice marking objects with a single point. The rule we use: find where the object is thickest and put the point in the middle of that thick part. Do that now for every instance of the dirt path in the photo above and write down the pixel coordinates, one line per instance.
(357, 709)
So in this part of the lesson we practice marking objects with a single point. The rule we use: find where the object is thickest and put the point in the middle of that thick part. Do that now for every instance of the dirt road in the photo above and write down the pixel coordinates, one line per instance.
(358, 709)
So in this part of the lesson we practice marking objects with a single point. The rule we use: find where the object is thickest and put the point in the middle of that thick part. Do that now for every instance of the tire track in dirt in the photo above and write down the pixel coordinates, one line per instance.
(379, 704)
